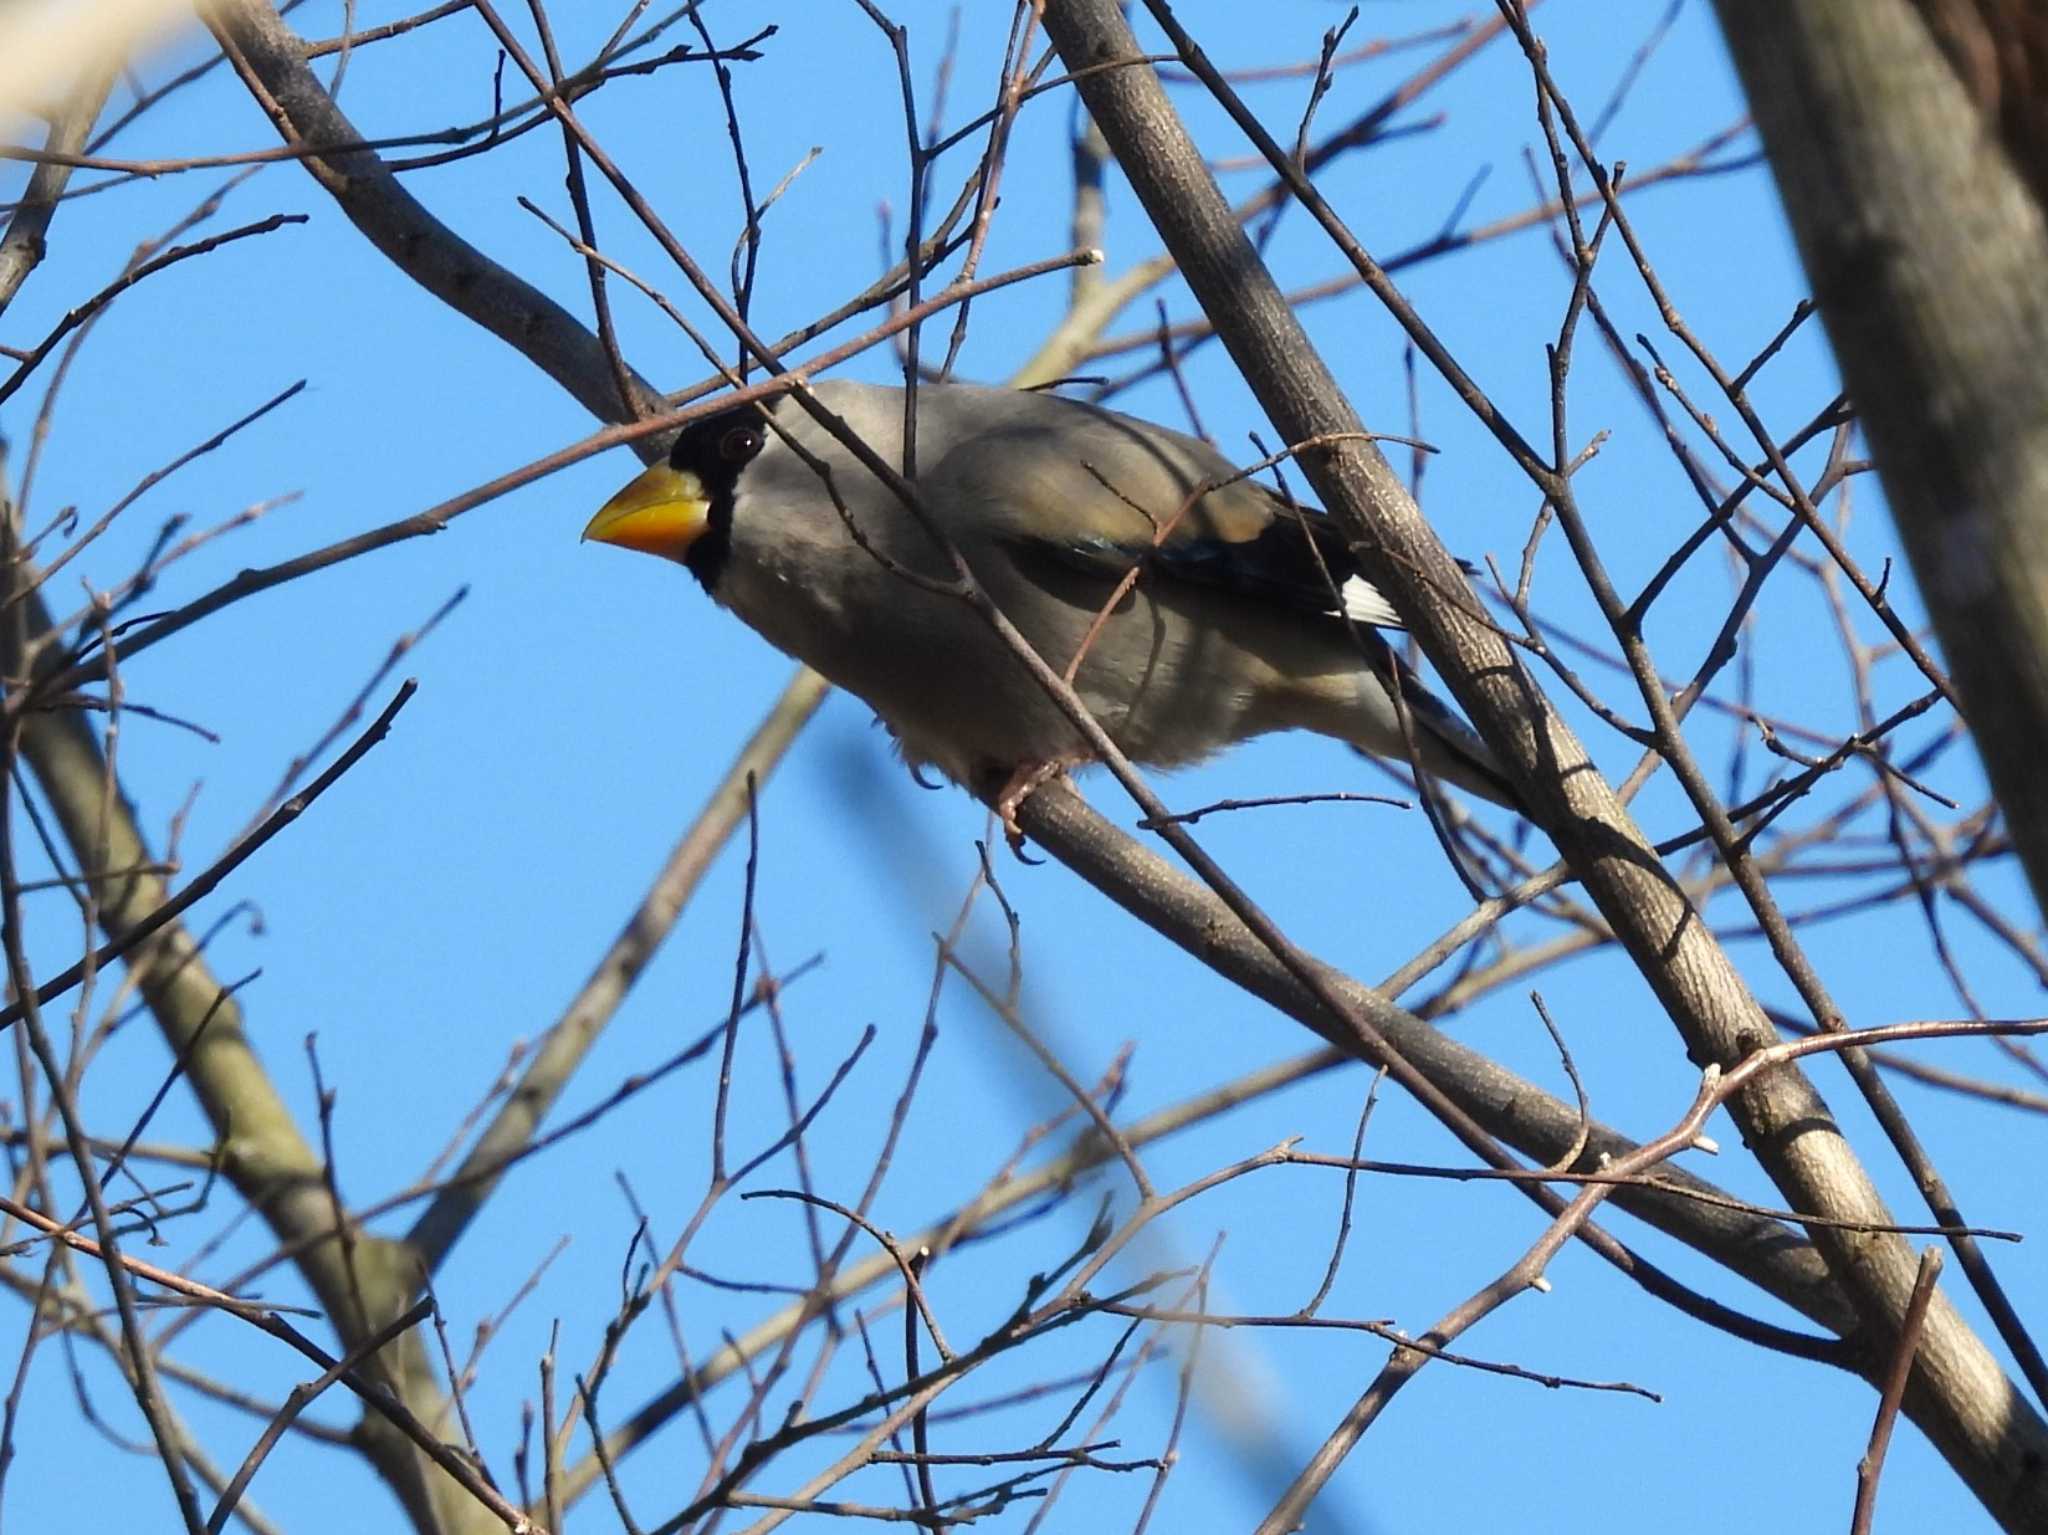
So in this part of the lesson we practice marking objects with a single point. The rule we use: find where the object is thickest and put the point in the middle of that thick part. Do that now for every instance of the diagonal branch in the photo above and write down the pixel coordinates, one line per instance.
(272, 64)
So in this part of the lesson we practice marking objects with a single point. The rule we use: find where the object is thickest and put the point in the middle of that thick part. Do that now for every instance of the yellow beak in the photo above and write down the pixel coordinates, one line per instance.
(660, 511)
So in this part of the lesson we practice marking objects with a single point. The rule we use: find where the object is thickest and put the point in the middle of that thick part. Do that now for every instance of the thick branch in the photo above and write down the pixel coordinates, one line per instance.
(24, 244)
(264, 1155)
(272, 62)
(1928, 256)
(1539, 1125)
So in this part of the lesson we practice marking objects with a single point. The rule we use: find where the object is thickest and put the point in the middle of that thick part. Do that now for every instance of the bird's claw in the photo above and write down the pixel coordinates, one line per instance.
(1019, 787)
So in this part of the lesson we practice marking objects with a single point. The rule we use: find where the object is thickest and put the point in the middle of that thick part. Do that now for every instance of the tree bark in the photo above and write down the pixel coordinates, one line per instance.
(1909, 146)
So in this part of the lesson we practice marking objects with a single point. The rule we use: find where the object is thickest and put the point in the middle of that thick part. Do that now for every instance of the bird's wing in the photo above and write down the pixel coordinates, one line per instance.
(1298, 560)
(1100, 492)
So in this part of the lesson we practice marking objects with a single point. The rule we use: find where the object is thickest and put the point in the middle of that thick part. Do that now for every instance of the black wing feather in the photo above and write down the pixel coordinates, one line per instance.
(1299, 561)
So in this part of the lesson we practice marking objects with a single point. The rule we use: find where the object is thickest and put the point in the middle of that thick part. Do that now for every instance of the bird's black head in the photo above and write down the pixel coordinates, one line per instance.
(682, 509)
(716, 449)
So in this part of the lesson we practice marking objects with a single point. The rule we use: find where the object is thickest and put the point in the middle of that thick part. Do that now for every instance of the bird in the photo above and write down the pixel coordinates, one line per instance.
(1205, 609)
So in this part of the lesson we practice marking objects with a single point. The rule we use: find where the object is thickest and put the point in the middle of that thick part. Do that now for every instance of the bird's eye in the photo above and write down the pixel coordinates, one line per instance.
(739, 444)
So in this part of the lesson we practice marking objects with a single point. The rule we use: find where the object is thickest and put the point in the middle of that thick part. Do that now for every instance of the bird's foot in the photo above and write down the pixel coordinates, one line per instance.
(1027, 777)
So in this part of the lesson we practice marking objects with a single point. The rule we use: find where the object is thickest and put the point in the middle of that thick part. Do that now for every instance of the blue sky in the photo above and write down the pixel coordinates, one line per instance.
(449, 895)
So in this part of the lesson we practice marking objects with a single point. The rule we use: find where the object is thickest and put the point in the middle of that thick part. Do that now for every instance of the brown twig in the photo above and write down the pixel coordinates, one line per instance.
(1871, 1466)
(204, 883)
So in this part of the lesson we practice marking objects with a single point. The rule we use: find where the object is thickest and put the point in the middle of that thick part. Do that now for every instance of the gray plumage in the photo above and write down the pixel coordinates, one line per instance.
(1235, 626)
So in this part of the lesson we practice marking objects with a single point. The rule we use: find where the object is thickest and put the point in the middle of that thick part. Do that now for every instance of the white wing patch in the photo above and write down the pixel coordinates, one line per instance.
(1363, 604)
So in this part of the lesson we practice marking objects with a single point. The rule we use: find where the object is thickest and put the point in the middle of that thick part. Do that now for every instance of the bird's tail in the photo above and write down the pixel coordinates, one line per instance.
(1450, 748)
(1442, 743)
